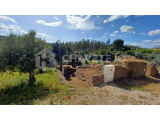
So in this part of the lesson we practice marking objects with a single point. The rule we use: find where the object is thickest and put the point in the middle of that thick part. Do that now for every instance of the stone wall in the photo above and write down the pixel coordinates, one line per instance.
(136, 68)
(95, 76)
(152, 70)
(120, 72)
(67, 70)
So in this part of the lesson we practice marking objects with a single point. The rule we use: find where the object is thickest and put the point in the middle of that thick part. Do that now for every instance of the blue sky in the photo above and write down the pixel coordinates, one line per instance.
(139, 30)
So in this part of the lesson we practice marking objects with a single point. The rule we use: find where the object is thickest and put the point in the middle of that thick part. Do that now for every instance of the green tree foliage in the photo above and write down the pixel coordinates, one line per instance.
(126, 48)
(138, 54)
(117, 44)
(107, 54)
(156, 52)
(156, 61)
(133, 47)
(19, 51)
(152, 56)
(86, 45)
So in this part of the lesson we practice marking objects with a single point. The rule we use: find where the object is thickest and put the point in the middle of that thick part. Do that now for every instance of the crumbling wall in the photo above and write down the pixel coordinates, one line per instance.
(120, 72)
(158, 70)
(97, 79)
(152, 70)
(129, 68)
(67, 69)
(91, 74)
(137, 68)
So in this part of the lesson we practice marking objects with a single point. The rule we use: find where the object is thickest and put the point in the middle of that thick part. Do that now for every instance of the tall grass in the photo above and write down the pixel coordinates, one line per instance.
(16, 89)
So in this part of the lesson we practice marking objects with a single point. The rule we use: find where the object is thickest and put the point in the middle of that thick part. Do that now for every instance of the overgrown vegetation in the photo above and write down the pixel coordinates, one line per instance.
(18, 51)
(16, 89)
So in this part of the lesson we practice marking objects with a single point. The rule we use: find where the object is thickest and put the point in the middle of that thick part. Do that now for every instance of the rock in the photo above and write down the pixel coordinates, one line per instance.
(151, 70)
(83, 79)
(97, 80)
(71, 89)
(54, 103)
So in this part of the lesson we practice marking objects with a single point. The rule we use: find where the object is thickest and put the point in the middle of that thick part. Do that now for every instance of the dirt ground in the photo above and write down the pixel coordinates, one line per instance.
(131, 91)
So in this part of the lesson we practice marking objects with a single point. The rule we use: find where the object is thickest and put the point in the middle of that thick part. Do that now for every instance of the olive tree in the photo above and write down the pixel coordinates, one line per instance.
(19, 51)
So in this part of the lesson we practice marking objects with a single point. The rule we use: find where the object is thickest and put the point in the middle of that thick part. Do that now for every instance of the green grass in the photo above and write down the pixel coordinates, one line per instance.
(16, 89)
(136, 88)
(125, 85)
(92, 62)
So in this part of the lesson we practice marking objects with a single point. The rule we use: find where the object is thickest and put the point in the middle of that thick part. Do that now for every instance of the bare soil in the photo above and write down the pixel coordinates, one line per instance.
(146, 91)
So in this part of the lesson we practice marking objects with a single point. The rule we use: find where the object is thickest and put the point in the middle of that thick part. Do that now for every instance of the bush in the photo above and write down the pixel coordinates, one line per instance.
(81, 53)
(130, 53)
(156, 52)
(145, 57)
(138, 54)
(156, 61)
(47, 70)
(152, 56)
(108, 54)
(118, 53)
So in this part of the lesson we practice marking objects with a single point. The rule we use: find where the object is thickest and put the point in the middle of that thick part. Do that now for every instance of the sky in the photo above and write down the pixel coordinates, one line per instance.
(138, 30)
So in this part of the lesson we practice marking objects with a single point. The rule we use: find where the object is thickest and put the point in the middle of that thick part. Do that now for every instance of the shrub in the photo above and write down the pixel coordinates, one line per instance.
(81, 53)
(156, 52)
(47, 70)
(145, 57)
(156, 61)
(130, 53)
(152, 56)
(138, 54)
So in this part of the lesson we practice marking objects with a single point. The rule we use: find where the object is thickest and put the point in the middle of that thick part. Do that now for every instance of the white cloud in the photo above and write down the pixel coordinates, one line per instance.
(80, 23)
(114, 17)
(3, 34)
(3, 27)
(154, 32)
(113, 34)
(5, 18)
(125, 28)
(104, 34)
(82, 32)
(14, 28)
(55, 18)
(49, 24)
(23, 32)
(138, 15)
(112, 25)
(142, 33)
(72, 37)
(127, 20)
(134, 43)
(134, 32)
(90, 38)
(98, 27)
(124, 35)
(97, 16)
(11, 28)
(152, 42)
(145, 43)
(43, 35)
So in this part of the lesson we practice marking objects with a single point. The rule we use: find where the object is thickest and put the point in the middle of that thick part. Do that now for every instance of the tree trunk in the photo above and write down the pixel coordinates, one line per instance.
(116, 57)
(31, 76)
